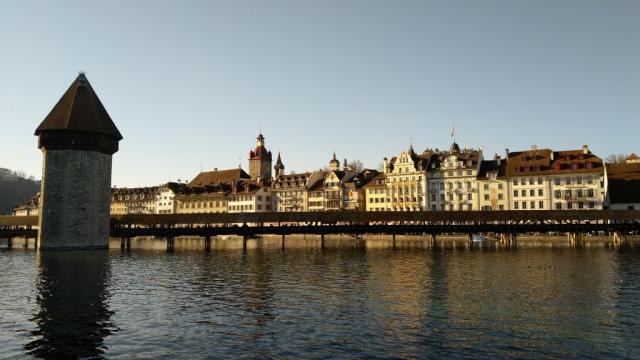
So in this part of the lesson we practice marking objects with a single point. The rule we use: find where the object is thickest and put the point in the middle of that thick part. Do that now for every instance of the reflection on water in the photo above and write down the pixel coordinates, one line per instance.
(73, 318)
(332, 303)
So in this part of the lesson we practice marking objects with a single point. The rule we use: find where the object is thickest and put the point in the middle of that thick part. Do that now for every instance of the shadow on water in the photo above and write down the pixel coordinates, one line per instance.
(73, 318)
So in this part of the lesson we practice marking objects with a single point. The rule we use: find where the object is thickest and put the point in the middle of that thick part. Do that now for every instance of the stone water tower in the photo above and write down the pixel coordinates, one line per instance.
(77, 139)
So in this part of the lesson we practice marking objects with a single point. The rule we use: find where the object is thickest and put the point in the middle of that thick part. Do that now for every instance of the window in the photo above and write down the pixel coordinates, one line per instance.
(593, 205)
(540, 192)
(515, 205)
(515, 193)
(558, 206)
(539, 181)
(556, 181)
(469, 196)
(557, 194)
(532, 192)
(569, 205)
(590, 192)
(515, 181)
(580, 205)
(501, 207)
(567, 181)
(486, 186)
(523, 193)
(524, 205)
(500, 186)
(486, 196)
(540, 204)
(532, 181)
(533, 204)
(500, 196)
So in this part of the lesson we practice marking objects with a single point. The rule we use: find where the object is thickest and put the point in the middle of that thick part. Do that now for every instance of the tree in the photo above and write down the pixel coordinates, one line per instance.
(356, 165)
(616, 158)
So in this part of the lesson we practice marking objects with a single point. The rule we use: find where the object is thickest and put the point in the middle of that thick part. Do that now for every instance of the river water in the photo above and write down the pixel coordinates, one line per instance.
(313, 303)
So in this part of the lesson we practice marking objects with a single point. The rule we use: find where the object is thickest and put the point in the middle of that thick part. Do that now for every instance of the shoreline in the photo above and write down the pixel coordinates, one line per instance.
(231, 242)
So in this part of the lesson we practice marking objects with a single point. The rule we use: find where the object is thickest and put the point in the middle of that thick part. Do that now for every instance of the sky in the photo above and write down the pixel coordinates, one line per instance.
(191, 83)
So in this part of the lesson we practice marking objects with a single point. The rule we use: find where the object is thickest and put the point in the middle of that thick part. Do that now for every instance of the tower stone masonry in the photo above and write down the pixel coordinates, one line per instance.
(77, 139)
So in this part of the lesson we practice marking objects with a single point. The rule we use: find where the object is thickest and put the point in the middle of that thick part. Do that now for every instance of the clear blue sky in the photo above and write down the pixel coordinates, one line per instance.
(190, 83)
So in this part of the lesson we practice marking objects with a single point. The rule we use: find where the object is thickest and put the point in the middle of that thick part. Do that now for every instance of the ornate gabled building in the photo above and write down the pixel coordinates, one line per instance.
(260, 162)
(334, 196)
(290, 192)
(452, 178)
(542, 179)
(406, 181)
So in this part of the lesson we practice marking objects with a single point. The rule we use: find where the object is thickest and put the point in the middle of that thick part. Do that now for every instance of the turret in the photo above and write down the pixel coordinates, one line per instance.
(77, 139)
(334, 164)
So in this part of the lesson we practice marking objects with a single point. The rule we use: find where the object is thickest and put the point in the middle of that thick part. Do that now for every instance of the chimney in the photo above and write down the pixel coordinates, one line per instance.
(506, 154)
(385, 165)
(585, 149)
(551, 155)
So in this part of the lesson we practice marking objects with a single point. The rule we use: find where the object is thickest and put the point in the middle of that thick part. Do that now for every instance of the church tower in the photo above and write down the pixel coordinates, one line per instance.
(278, 167)
(260, 161)
(77, 139)
(334, 164)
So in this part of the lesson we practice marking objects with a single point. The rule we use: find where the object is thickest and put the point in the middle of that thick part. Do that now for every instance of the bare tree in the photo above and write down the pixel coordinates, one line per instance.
(616, 158)
(356, 165)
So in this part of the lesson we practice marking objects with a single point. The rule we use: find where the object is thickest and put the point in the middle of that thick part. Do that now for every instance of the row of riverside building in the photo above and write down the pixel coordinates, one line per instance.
(457, 179)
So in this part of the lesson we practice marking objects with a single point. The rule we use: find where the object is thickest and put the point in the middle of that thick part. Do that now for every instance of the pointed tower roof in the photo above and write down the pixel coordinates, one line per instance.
(279, 163)
(80, 109)
(79, 121)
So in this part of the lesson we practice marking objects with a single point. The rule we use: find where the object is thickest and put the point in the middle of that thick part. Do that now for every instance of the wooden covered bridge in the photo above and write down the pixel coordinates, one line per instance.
(507, 225)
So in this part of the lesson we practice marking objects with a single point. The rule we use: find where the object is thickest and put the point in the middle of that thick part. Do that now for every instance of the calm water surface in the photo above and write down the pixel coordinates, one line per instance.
(309, 303)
